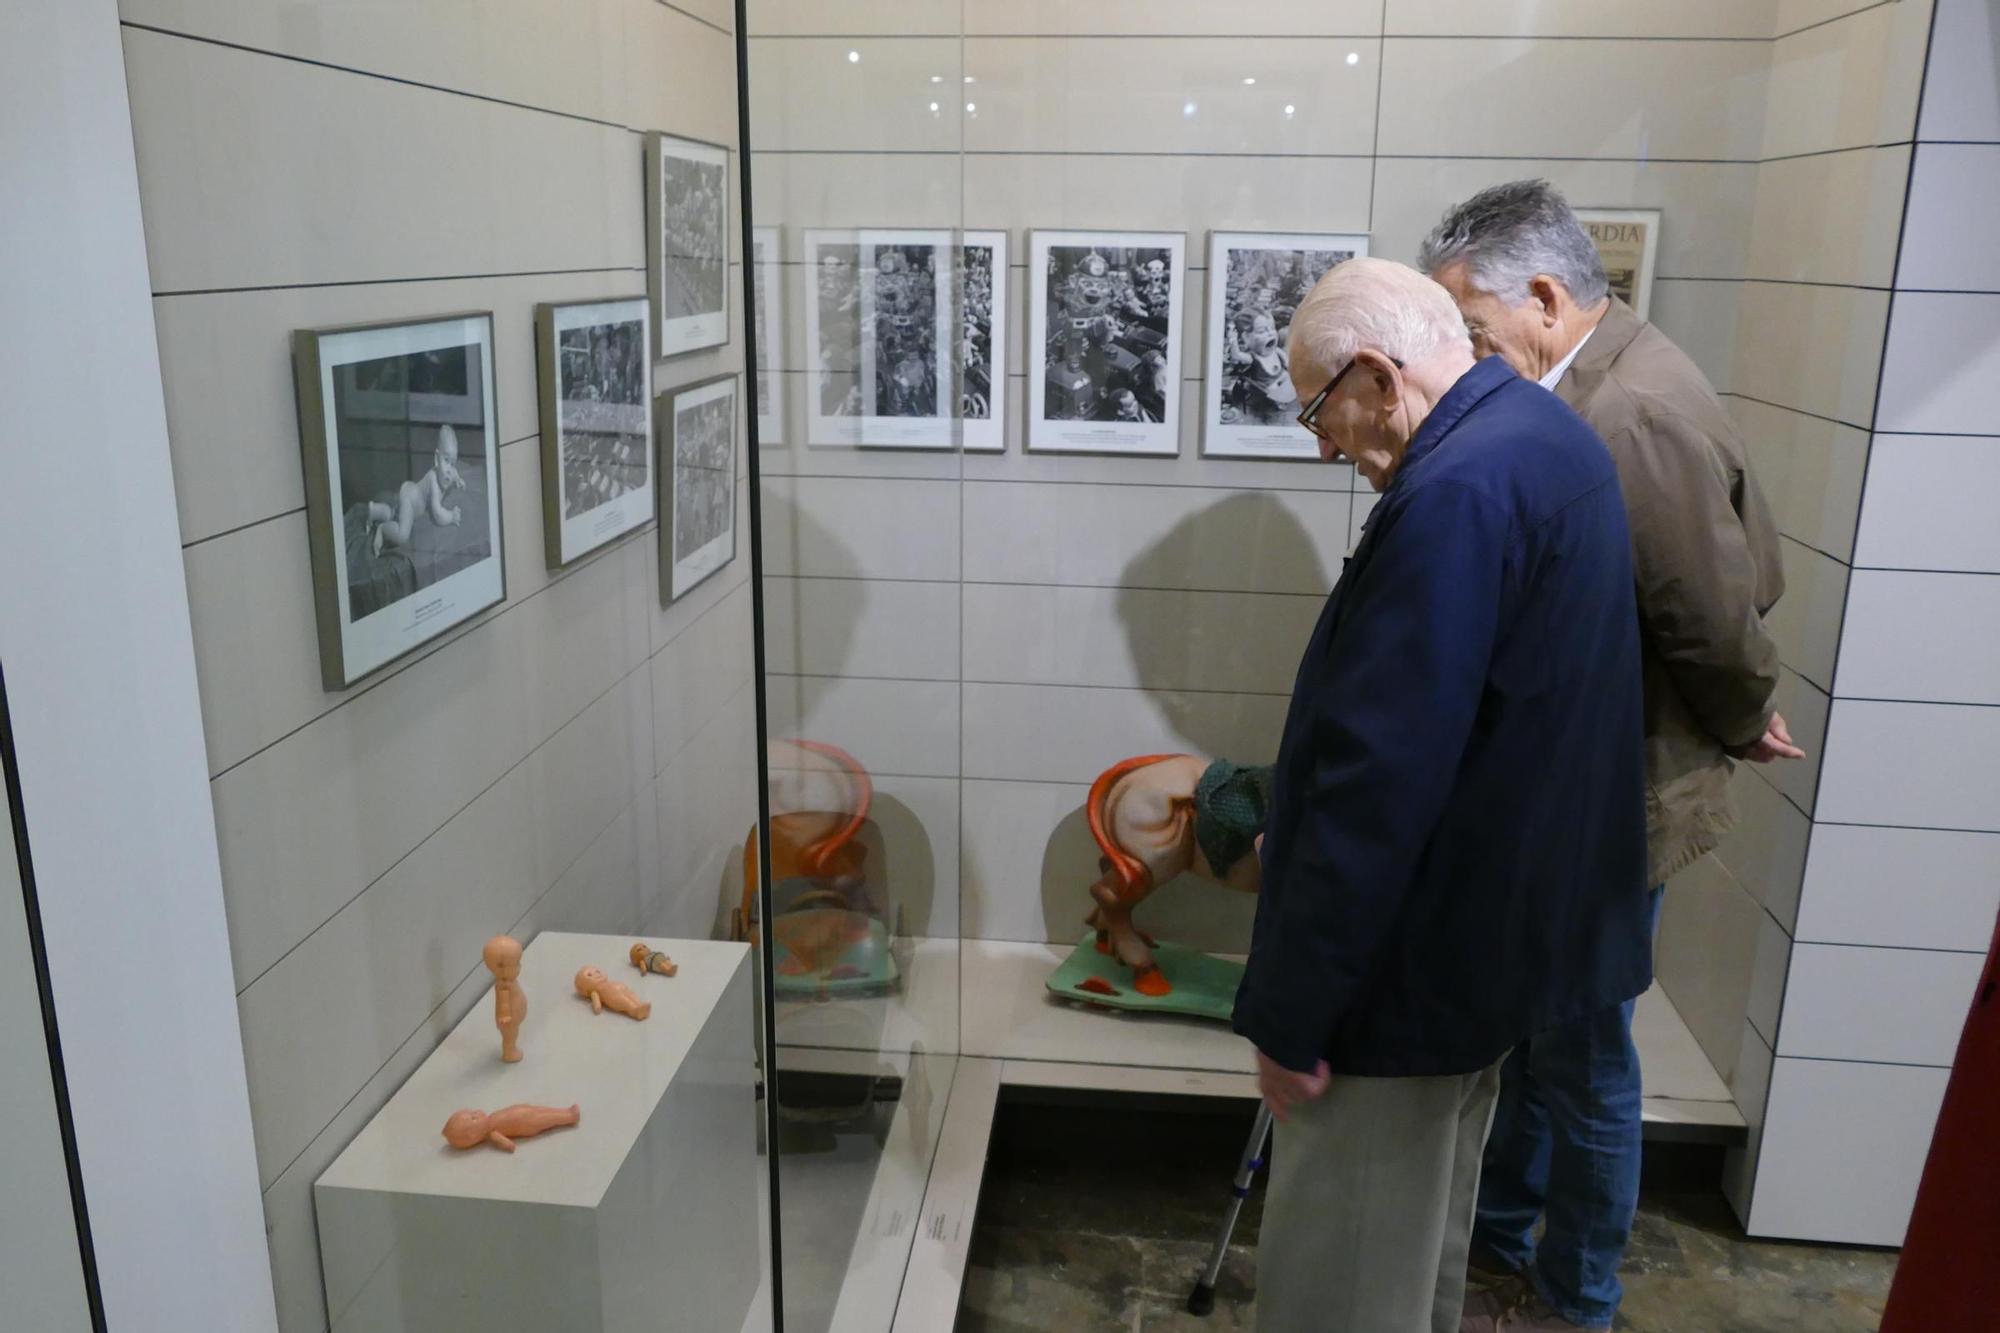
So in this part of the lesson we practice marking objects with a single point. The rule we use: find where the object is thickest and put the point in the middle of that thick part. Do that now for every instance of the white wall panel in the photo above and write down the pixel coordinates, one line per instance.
(807, 96)
(1893, 1006)
(1842, 1150)
(679, 76)
(1168, 95)
(1768, 967)
(698, 672)
(1701, 318)
(1462, 96)
(1287, 19)
(1912, 517)
(853, 189)
(304, 826)
(1816, 349)
(915, 875)
(1900, 888)
(1810, 471)
(890, 726)
(827, 527)
(1804, 706)
(1023, 191)
(1942, 362)
(1158, 537)
(1750, 1086)
(1806, 621)
(1704, 232)
(1912, 764)
(1954, 195)
(1962, 85)
(297, 149)
(1849, 83)
(908, 18)
(1045, 733)
(1956, 619)
(862, 627)
(1579, 18)
(1766, 851)
(1706, 954)
(1132, 637)
(1833, 217)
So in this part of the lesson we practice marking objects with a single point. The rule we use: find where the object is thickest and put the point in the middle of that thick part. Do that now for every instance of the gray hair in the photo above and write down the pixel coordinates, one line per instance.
(1508, 235)
(1376, 303)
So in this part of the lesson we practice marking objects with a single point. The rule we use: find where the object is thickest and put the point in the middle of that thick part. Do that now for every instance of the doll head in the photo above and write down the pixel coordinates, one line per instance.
(590, 979)
(503, 957)
(467, 1129)
(446, 459)
(1263, 333)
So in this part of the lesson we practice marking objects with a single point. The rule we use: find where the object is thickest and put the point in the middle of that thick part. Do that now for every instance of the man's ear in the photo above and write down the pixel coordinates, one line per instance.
(1547, 295)
(1383, 371)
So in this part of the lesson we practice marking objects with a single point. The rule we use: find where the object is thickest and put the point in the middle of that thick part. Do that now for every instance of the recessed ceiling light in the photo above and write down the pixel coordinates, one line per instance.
(853, 57)
(1353, 57)
(972, 107)
(934, 106)
(1187, 109)
(970, 79)
(1249, 79)
(1290, 109)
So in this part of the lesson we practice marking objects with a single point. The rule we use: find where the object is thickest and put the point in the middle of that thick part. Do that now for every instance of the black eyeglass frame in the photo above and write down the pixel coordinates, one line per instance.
(1309, 414)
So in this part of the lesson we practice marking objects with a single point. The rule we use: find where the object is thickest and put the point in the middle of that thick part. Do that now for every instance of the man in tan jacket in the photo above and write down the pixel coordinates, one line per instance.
(1565, 1138)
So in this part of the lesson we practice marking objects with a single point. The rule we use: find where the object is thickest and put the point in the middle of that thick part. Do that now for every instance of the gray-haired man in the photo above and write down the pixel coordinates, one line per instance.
(1565, 1139)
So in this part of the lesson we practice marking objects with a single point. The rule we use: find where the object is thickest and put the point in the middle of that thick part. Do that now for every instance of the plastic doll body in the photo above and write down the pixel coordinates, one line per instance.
(648, 959)
(469, 1129)
(604, 993)
(510, 1003)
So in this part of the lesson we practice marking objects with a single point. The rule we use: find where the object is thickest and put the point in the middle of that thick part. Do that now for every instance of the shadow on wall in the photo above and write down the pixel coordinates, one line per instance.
(1180, 635)
(1176, 639)
(808, 627)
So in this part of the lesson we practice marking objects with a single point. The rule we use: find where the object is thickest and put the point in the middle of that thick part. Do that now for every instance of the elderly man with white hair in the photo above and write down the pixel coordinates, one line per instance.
(1455, 853)
(1565, 1144)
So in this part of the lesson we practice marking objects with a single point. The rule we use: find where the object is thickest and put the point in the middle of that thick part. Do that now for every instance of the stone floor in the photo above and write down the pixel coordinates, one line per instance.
(1096, 1219)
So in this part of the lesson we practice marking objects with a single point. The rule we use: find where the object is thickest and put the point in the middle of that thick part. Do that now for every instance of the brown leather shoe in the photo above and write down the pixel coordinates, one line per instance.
(1518, 1308)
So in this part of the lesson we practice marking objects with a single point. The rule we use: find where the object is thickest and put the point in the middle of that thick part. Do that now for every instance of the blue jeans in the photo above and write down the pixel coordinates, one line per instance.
(1565, 1145)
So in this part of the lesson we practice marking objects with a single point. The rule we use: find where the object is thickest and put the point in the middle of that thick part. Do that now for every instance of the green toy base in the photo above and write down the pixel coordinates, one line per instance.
(1203, 986)
(865, 965)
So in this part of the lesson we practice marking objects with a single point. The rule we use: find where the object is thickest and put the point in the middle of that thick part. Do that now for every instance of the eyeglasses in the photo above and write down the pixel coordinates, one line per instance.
(1309, 415)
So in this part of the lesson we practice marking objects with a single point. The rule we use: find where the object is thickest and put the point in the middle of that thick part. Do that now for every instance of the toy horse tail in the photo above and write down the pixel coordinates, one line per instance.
(1133, 876)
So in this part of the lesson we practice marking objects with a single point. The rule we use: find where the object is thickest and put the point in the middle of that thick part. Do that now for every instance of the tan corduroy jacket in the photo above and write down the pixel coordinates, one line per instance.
(1705, 553)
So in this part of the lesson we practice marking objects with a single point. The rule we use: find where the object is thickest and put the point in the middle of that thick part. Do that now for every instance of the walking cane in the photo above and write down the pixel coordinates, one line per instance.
(1202, 1299)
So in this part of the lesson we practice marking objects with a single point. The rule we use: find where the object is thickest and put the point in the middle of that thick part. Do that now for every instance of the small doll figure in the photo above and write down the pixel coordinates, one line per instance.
(469, 1129)
(652, 960)
(604, 993)
(510, 1003)
(394, 526)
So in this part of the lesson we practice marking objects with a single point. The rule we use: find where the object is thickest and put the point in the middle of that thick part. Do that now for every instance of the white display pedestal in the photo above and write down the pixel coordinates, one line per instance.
(643, 1216)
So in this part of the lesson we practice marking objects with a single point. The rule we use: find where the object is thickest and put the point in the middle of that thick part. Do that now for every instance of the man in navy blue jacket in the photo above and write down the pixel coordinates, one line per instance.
(1456, 851)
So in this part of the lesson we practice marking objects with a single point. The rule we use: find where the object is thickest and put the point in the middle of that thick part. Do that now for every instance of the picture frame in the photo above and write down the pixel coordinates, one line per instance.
(767, 262)
(1104, 337)
(697, 433)
(399, 444)
(687, 243)
(1255, 281)
(1628, 241)
(878, 309)
(594, 365)
(979, 347)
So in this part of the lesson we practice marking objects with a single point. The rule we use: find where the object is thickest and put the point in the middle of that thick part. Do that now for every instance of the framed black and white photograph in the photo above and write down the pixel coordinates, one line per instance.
(767, 271)
(1104, 321)
(402, 479)
(878, 335)
(1255, 281)
(979, 351)
(698, 483)
(596, 365)
(687, 231)
(1628, 241)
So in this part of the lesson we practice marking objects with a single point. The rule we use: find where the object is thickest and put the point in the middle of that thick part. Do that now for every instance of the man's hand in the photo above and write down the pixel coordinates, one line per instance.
(1775, 743)
(1283, 1090)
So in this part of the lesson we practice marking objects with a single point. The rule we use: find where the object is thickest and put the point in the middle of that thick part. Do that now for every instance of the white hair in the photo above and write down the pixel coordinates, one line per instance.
(1376, 303)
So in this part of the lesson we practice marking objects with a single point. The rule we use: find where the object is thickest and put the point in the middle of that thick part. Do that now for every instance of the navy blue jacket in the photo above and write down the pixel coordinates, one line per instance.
(1455, 857)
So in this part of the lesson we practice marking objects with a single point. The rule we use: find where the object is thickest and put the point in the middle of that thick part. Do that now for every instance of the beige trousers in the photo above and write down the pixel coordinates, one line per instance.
(1368, 1215)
